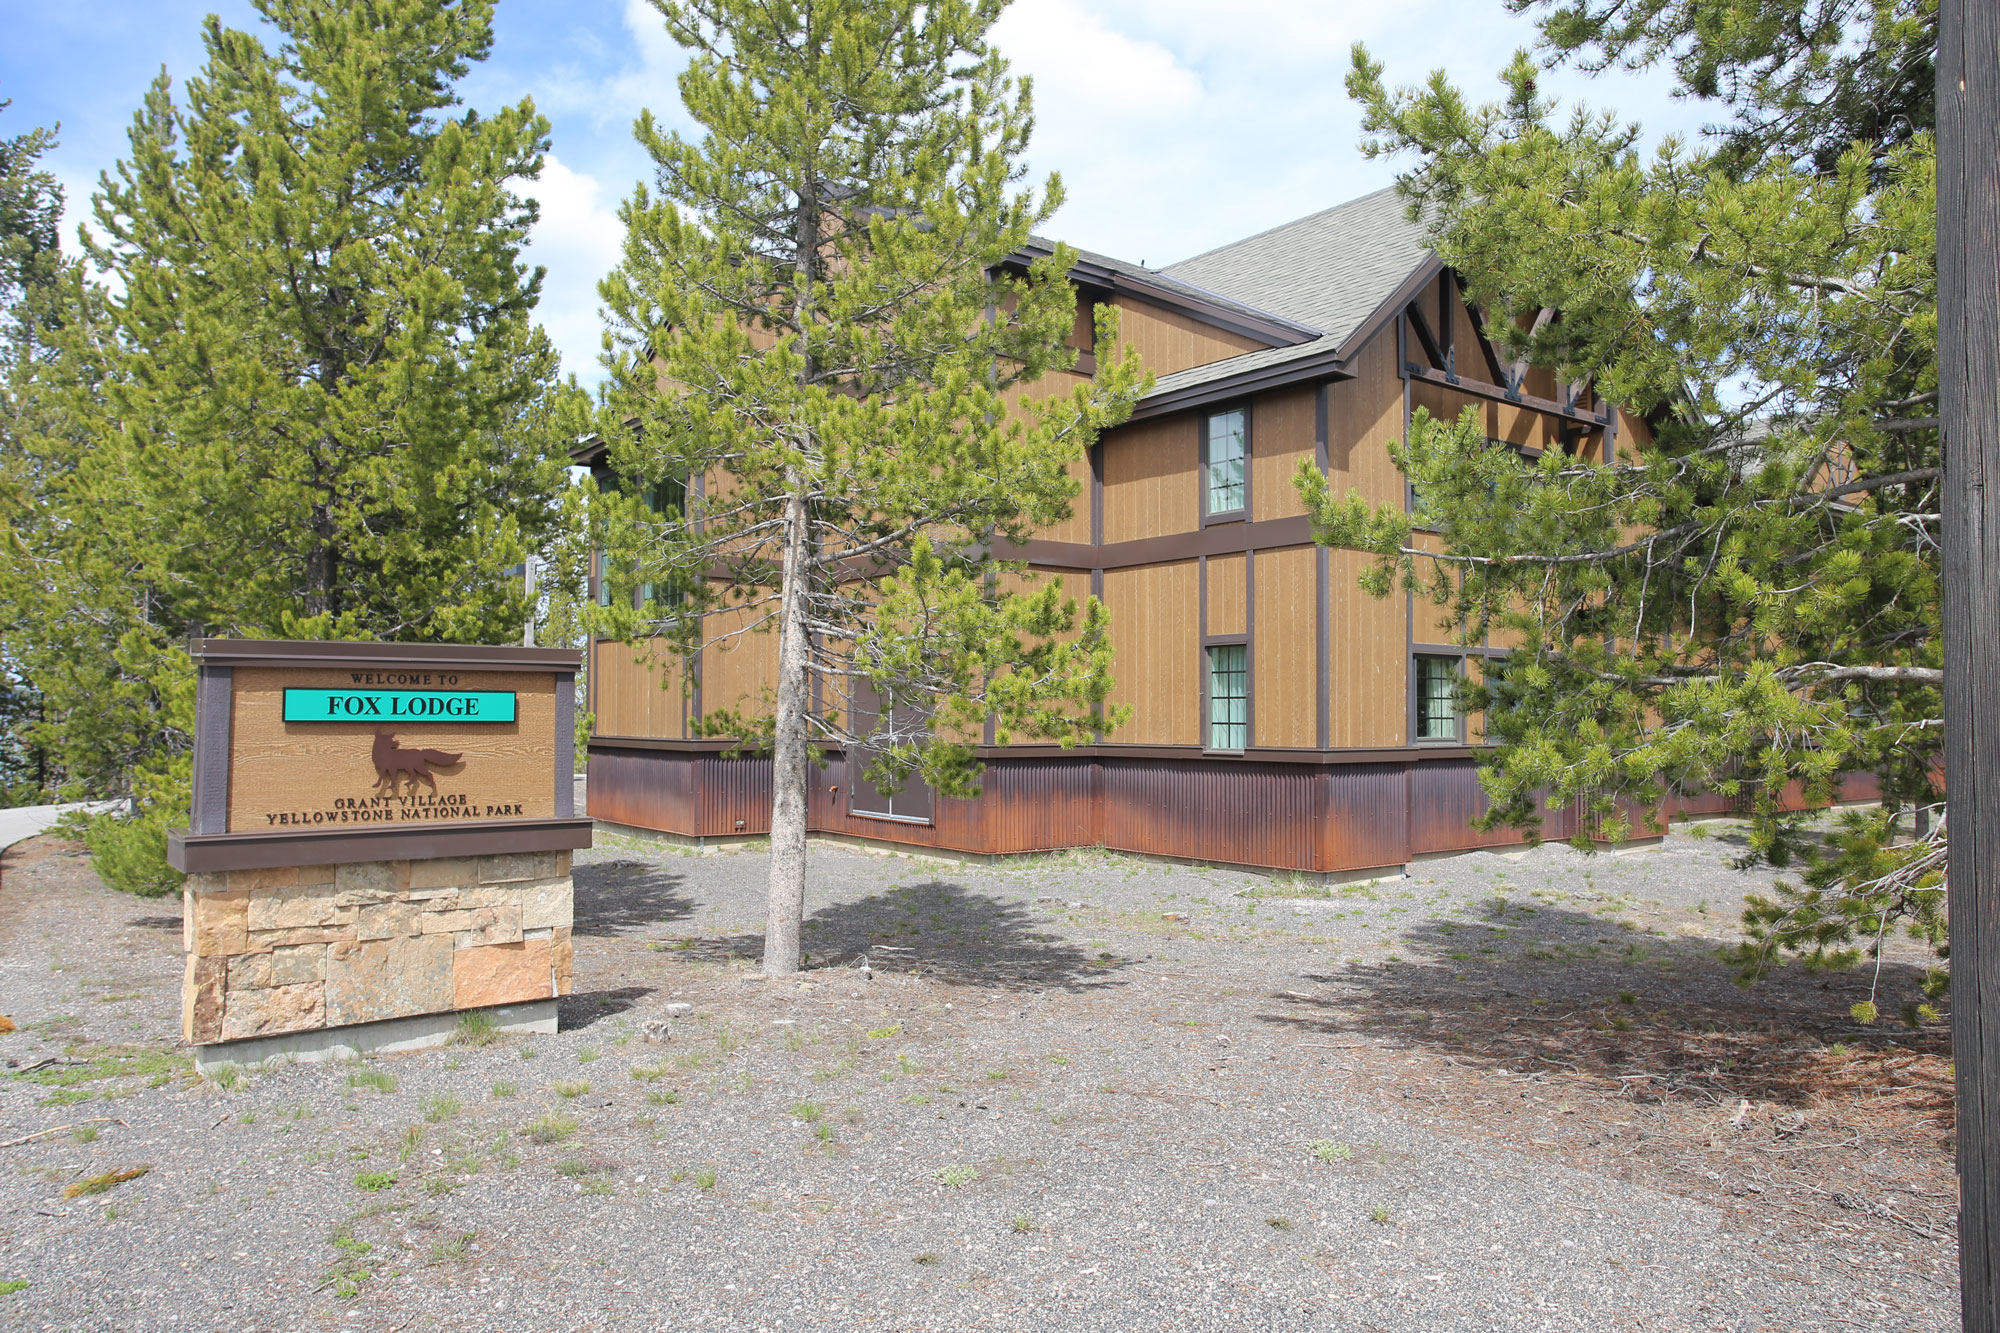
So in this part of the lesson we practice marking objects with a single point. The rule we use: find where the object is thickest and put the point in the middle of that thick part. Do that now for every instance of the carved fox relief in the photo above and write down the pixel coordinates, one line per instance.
(401, 770)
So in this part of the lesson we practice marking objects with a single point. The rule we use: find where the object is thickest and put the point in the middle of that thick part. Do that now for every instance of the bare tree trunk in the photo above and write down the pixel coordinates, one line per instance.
(788, 758)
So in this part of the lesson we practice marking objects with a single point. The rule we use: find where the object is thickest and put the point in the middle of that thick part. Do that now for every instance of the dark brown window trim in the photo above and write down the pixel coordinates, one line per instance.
(1209, 641)
(1458, 736)
(1202, 419)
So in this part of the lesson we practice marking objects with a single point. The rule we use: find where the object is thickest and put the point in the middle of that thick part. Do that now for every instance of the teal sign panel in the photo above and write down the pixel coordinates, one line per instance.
(399, 706)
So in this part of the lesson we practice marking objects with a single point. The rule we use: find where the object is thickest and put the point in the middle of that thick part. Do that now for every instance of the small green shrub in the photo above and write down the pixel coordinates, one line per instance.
(956, 1175)
(373, 1181)
(129, 851)
(551, 1128)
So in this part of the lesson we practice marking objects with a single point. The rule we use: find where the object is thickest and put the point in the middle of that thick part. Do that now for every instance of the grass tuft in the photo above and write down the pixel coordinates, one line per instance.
(554, 1127)
(98, 1184)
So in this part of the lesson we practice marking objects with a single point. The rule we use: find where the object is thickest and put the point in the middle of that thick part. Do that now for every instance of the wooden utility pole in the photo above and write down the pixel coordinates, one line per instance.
(1968, 103)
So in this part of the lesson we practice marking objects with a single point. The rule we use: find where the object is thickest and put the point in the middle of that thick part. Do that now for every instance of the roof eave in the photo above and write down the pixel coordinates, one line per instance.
(1269, 329)
(1332, 364)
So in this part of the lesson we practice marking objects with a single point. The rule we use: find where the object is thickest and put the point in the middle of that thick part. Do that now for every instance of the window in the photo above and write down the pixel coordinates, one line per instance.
(668, 500)
(1436, 699)
(1225, 455)
(1228, 697)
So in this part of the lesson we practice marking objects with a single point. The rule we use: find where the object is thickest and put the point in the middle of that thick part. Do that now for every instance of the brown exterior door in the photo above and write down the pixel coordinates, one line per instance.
(914, 802)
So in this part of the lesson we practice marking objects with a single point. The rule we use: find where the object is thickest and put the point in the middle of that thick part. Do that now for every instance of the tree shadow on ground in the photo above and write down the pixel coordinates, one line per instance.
(587, 1007)
(1656, 1017)
(155, 923)
(945, 930)
(619, 897)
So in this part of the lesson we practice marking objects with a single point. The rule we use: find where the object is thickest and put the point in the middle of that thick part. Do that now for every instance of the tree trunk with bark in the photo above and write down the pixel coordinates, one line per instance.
(789, 758)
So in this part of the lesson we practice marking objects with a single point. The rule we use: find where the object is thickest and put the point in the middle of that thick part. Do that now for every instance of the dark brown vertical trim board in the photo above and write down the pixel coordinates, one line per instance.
(213, 695)
(1322, 591)
(1249, 649)
(1447, 290)
(565, 746)
(1409, 609)
(1968, 102)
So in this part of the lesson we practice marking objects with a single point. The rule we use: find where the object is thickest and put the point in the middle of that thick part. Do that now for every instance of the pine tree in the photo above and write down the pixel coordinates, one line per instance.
(335, 383)
(819, 351)
(1750, 604)
(31, 204)
(315, 403)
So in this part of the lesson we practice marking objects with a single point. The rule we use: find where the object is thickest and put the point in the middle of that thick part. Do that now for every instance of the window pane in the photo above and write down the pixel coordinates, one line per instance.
(1228, 698)
(1437, 698)
(1225, 462)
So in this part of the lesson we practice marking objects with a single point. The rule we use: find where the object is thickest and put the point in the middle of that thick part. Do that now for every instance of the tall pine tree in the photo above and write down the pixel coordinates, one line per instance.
(820, 373)
(316, 405)
(1750, 603)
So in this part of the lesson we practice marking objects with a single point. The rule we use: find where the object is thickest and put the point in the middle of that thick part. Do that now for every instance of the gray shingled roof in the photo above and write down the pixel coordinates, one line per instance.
(1330, 271)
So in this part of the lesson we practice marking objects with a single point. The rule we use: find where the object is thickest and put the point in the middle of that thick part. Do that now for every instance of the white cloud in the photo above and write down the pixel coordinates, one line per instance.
(1087, 73)
(1153, 173)
(577, 238)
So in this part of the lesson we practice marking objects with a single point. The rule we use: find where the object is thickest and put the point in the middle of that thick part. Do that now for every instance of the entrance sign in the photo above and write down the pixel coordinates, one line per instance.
(398, 705)
(380, 840)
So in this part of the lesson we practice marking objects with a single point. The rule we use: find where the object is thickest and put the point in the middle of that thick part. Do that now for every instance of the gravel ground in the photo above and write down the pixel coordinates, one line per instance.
(1081, 1092)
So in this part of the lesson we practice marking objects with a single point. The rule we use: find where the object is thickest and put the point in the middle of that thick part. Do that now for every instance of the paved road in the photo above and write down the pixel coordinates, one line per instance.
(25, 821)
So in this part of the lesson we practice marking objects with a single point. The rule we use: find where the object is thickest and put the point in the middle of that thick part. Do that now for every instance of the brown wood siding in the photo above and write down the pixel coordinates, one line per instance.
(1149, 481)
(1362, 416)
(1169, 341)
(1468, 357)
(637, 691)
(1500, 421)
(1367, 685)
(1633, 435)
(739, 672)
(1367, 658)
(1153, 631)
(1057, 384)
(1282, 426)
(1286, 648)
(1227, 594)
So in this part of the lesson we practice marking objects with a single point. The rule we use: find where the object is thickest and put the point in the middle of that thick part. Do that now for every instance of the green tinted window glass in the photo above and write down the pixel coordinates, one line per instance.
(1228, 698)
(1226, 462)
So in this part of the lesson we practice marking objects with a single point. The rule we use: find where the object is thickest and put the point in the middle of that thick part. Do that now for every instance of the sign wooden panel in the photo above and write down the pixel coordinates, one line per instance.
(408, 750)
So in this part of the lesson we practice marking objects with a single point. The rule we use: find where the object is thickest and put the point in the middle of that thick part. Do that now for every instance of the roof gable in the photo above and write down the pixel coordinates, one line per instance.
(1329, 271)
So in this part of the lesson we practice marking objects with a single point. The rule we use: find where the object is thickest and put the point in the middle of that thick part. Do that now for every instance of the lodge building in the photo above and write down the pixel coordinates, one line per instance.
(1281, 716)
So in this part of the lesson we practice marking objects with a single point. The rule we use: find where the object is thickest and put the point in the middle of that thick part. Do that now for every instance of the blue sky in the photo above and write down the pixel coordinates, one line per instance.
(1176, 125)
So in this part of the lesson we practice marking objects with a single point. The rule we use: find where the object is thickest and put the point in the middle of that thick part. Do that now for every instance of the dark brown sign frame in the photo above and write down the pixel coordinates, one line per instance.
(211, 845)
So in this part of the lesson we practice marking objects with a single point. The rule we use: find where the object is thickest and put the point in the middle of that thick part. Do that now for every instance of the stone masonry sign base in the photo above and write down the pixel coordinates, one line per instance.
(353, 888)
(298, 949)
